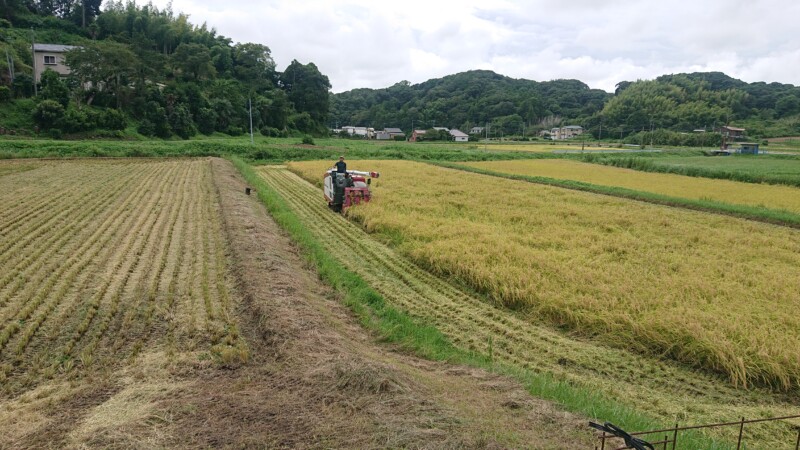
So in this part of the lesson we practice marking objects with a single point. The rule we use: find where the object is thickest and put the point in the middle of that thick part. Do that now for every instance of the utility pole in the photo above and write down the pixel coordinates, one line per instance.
(10, 63)
(250, 106)
(33, 52)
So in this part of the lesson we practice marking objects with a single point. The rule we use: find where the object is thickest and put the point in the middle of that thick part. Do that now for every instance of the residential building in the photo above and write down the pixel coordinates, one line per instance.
(50, 57)
(388, 134)
(567, 132)
(459, 136)
(732, 132)
(476, 130)
(416, 134)
(365, 132)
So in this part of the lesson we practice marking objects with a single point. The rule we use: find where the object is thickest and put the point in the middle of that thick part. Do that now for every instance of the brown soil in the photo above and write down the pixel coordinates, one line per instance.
(315, 378)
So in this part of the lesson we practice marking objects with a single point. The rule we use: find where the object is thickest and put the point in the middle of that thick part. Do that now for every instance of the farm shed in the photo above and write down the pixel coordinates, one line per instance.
(748, 148)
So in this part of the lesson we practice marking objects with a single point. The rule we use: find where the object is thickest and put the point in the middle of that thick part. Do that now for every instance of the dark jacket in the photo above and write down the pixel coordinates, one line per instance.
(341, 167)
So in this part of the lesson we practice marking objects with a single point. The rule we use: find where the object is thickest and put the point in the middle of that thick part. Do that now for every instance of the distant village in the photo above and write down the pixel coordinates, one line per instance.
(388, 134)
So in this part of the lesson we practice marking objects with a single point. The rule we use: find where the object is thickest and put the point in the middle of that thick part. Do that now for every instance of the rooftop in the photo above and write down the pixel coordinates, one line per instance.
(55, 48)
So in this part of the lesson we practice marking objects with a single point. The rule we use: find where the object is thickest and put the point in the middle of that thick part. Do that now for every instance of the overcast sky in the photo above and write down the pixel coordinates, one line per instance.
(362, 43)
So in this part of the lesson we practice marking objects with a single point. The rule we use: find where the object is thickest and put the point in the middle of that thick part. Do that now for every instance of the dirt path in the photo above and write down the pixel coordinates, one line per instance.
(314, 379)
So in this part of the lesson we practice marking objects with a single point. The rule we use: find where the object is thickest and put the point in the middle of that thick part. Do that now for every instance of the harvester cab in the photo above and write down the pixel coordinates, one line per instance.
(343, 190)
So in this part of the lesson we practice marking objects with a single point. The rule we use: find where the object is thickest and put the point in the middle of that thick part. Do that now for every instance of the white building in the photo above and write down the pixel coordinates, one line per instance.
(567, 132)
(459, 136)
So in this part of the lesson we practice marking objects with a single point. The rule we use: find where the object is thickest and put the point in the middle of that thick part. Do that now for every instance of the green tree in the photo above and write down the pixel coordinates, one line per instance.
(253, 65)
(53, 88)
(194, 61)
(180, 120)
(106, 65)
(308, 90)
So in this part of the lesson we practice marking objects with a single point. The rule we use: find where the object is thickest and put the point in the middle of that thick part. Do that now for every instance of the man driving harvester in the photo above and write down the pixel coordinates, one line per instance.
(343, 189)
(341, 166)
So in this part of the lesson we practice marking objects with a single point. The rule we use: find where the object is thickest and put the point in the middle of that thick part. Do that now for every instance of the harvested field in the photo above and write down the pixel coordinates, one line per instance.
(656, 387)
(104, 259)
(732, 192)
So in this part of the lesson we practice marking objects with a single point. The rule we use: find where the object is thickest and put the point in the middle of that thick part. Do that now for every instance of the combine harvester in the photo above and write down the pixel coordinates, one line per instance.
(343, 190)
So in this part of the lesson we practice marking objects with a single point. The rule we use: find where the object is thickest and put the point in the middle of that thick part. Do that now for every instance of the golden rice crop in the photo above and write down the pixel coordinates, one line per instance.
(734, 192)
(712, 291)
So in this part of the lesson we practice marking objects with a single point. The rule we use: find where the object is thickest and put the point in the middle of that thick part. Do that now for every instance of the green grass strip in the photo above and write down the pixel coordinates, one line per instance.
(424, 340)
(756, 213)
(651, 163)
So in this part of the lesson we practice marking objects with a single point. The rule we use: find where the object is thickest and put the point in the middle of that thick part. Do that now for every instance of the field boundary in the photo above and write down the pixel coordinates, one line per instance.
(758, 214)
(424, 340)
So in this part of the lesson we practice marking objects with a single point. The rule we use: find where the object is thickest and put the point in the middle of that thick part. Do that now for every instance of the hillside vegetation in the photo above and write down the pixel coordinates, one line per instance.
(152, 70)
(671, 103)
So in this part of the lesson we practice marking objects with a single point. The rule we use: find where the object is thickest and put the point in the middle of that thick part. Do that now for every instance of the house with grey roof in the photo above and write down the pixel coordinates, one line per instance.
(459, 136)
(50, 57)
(389, 134)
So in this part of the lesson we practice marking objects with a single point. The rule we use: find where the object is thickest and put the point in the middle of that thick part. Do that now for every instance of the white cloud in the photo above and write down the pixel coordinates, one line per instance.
(362, 43)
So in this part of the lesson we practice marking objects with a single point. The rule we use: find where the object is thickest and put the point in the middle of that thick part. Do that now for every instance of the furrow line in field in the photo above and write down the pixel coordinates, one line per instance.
(170, 245)
(111, 291)
(179, 281)
(133, 207)
(228, 335)
(50, 298)
(188, 304)
(26, 265)
(56, 214)
(53, 290)
(35, 273)
(475, 324)
(51, 208)
(143, 270)
(36, 193)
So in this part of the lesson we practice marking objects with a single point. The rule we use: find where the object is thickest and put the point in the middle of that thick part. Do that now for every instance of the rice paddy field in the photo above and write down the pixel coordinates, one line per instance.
(707, 290)
(654, 385)
(696, 188)
(105, 259)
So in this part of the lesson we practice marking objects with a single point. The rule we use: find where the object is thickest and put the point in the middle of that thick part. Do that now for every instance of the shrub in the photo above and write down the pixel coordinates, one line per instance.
(180, 119)
(206, 120)
(146, 128)
(55, 133)
(308, 140)
(47, 113)
(270, 131)
(5, 94)
(75, 121)
(112, 119)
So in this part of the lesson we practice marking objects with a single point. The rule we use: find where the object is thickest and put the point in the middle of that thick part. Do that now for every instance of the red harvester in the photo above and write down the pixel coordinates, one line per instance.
(343, 190)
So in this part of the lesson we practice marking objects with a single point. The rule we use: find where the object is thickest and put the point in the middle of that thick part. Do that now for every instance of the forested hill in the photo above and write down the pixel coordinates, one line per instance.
(467, 99)
(681, 103)
(140, 68)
